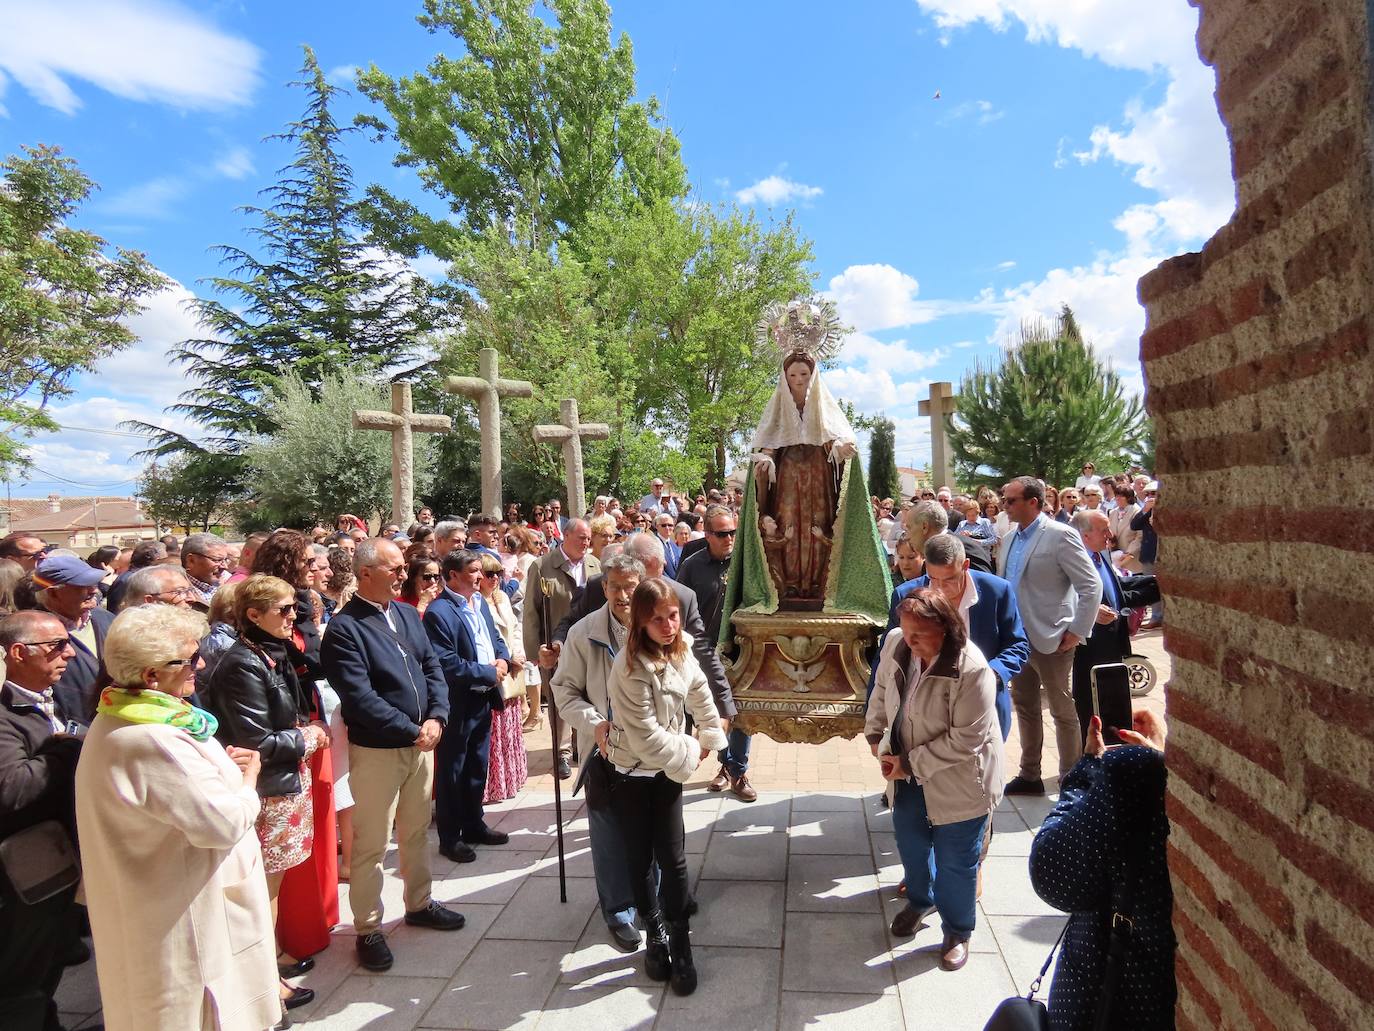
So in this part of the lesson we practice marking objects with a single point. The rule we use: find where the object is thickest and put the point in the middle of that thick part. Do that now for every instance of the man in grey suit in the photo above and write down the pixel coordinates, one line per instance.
(1057, 593)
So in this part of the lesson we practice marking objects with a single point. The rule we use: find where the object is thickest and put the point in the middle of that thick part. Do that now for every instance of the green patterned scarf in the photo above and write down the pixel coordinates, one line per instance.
(155, 707)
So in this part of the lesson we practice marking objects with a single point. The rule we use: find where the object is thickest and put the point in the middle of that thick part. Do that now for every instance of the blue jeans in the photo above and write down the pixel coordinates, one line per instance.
(609, 863)
(940, 862)
(735, 755)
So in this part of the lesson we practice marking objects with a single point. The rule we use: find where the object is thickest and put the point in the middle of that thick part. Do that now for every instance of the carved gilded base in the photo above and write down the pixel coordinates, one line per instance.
(801, 676)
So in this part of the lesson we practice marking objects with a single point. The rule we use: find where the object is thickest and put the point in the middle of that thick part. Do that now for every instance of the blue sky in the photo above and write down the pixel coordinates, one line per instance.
(1072, 148)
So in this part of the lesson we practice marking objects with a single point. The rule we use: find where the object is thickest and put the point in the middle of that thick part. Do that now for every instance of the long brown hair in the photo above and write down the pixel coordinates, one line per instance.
(281, 556)
(932, 606)
(642, 605)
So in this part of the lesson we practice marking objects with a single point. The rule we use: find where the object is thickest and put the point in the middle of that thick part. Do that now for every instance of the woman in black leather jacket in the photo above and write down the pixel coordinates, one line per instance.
(260, 704)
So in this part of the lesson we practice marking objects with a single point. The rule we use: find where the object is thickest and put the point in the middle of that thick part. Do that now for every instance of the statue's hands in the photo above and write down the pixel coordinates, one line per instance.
(843, 450)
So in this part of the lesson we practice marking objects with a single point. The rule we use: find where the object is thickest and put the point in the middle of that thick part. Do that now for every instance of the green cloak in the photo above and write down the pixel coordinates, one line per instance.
(857, 581)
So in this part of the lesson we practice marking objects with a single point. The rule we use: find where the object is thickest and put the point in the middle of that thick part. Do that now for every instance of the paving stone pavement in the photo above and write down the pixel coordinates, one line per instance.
(796, 891)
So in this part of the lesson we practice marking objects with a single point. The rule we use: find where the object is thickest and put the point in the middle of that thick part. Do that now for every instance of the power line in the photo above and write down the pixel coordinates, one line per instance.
(77, 483)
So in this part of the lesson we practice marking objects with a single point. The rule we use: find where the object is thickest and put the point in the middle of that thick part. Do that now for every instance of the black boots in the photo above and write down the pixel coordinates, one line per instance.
(656, 959)
(684, 979)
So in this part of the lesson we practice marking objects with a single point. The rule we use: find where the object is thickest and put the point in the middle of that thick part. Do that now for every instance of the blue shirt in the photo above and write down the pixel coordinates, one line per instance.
(472, 616)
(1109, 593)
(1020, 546)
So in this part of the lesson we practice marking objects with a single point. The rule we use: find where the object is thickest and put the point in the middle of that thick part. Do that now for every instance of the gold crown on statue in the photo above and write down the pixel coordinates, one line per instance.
(803, 325)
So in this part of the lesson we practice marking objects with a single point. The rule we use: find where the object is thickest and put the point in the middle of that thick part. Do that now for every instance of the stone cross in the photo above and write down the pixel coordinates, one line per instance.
(487, 390)
(570, 434)
(940, 405)
(402, 423)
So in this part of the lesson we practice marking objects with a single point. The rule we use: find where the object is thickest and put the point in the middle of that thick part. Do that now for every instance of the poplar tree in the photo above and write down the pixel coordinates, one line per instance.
(1047, 407)
(882, 459)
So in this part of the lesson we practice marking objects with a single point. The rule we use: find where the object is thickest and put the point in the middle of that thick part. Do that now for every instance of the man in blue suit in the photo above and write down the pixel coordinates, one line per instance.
(474, 660)
(987, 605)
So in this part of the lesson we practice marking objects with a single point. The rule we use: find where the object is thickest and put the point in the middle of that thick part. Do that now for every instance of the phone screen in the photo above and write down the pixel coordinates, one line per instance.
(1111, 697)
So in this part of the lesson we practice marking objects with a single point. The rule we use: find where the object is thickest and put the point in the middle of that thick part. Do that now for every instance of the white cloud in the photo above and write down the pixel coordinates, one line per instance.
(879, 296)
(897, 357)
(982, 111)
(157, 198)
(145, 370)
(235, 163)
(1005, 266)
(868, 390)
(149, 51)
(345, 75)
(776, 189)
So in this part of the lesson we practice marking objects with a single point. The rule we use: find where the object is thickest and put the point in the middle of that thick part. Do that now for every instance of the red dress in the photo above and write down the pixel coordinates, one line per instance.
(308, 906)
(508, 766)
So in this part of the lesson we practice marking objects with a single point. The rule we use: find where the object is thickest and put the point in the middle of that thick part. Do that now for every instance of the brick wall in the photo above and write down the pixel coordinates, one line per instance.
(1258, 359)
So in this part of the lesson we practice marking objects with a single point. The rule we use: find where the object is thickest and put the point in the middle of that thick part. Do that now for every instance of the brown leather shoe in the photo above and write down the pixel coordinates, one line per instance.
(909, 921)
(742, 789)
(953, 953)
(720, 782)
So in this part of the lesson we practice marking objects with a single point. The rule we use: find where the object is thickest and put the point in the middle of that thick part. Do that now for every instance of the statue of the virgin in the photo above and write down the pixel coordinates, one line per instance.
(808, 541)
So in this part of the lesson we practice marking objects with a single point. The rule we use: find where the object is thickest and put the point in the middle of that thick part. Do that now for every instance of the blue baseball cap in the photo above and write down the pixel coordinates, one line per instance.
(66, 571)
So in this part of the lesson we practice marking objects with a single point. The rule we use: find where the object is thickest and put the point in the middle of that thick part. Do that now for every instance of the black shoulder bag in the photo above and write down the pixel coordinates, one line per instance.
(1026, 1013)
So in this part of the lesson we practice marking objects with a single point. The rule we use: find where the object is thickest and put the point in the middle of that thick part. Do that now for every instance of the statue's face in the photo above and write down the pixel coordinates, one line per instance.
(798, 380)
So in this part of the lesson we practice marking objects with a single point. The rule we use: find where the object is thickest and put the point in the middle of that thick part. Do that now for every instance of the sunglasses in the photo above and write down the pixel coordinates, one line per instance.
(492, 576)
(432, 578)
(57, 644)
(195, 657)
(723, 534)
(288, 609)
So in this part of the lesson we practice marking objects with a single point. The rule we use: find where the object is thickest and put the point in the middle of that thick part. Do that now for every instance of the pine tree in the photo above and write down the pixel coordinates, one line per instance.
(317, 299)
(1048, 407)
(882, 459)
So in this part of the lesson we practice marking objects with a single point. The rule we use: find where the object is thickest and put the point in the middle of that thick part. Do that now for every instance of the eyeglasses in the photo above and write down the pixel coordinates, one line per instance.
(177, 592)
(723, 535)
(178, 663)
(57, 644)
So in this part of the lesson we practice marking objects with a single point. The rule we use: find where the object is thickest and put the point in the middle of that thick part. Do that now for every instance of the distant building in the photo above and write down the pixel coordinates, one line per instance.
(79, 523)
(912, 480)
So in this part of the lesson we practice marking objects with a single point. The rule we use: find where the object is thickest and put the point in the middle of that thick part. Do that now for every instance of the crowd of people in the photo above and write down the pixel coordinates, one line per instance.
(223, 731)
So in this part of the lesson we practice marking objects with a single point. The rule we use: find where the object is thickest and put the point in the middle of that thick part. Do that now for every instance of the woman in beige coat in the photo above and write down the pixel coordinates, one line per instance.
(655, 682)
(173, 870)
(932, 723)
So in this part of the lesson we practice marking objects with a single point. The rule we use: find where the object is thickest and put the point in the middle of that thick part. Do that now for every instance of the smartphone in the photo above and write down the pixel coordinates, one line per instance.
(1111, 698)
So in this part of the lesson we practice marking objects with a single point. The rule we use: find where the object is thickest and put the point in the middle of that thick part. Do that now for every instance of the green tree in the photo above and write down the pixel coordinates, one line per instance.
(315, 464)
(65, 297)
(192, 491)
(1048, 406)
(318, 297)
(530, 130)
(882, 459)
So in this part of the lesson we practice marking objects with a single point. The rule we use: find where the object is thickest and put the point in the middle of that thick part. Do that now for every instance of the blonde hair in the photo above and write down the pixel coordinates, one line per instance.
(222, 604)
(148, 637)
(260, 591)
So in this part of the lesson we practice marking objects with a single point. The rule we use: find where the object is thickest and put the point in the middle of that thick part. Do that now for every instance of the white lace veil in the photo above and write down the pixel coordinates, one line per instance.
(821, 420)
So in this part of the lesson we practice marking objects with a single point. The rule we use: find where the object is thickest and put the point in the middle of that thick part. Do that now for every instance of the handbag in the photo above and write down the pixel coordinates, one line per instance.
(1026, 1013)
(40, 861)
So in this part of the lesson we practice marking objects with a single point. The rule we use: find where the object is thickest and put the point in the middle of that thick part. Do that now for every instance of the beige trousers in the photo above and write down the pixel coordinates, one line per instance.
(1053, 672)
(389, 784)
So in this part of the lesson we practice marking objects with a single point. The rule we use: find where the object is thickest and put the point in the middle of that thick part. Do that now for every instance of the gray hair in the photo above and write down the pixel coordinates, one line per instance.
(449, 528)
(320, 550)
(19, 625)
(368, 553)
(622, 563)
(610, 551)
(647, 547)
(197, 543)
(147, 637)
(150, 580)
(945, 549)
(928, 514)
(1084, 519)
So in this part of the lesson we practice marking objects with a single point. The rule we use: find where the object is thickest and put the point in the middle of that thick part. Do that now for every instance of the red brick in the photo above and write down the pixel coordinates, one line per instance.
(1346, 346)
(1267, 601)
(1267, 896)
(1345, 798)
(1174, 275)
(1342, 616)
(1189, 985)
(1351, 970)
(1328, 701)
(1253, 143)
(1207, 950)
(1348, 434)
(1273, 966)
(1236, 736)
(1183, 645)
(1237, 80)
(1325, 256)
(1268, 446)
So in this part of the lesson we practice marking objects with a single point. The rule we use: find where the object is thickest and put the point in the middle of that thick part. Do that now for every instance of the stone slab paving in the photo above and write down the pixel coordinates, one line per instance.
(796, 891)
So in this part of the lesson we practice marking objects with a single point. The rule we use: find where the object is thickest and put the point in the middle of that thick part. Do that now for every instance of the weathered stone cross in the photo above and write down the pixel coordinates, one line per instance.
(940, 405)
(570, 434)
(402, 423)
(487, 390)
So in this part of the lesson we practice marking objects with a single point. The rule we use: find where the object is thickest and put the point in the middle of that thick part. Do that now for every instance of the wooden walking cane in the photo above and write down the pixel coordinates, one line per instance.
(546, 589)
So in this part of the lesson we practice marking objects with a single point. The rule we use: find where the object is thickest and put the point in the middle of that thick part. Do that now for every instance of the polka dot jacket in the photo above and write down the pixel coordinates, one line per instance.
(1077, 864)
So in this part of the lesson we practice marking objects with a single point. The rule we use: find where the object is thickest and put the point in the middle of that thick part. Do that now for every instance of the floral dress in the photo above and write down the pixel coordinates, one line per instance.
(286, 825)
(508, 766)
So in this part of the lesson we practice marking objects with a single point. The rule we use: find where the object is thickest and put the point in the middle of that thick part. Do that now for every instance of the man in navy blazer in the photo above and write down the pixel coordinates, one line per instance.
(394, 703)
(988, 605)
(475, 660)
